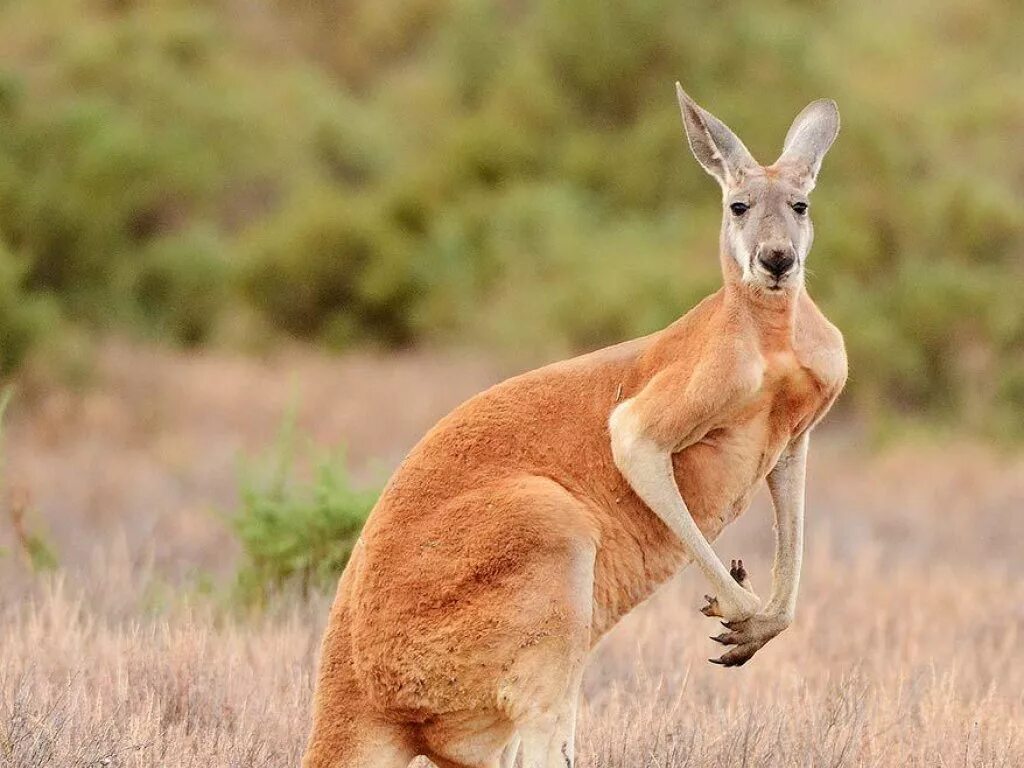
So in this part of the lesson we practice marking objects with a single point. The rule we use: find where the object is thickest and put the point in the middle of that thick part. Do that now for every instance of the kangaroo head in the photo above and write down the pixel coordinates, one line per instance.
(766, 221)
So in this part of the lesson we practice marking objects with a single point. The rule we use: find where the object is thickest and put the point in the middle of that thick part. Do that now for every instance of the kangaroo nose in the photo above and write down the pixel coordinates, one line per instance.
(777, 261)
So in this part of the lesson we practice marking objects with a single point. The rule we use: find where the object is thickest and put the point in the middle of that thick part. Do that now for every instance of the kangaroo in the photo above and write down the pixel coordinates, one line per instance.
(529, 520)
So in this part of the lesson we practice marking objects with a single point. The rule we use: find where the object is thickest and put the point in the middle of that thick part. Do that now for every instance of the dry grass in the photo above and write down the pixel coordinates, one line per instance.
(906, 650)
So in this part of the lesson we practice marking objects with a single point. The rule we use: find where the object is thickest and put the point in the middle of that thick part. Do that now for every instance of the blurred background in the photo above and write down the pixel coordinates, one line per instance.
(505, 175)
(251, 250)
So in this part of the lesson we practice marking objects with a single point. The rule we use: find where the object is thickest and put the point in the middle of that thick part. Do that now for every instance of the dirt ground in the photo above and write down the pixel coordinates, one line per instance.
(906, 650)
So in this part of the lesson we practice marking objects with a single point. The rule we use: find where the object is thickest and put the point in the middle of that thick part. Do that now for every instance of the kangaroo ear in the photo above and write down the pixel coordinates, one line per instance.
(716, 147)
(810, 137)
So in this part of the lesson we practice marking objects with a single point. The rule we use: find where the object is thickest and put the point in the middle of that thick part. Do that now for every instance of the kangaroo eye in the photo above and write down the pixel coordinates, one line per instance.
(799, 208)
(739, 209)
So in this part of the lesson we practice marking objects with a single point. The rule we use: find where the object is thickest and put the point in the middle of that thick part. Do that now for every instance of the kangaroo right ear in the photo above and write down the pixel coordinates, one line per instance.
(716, 148)
(810, 137)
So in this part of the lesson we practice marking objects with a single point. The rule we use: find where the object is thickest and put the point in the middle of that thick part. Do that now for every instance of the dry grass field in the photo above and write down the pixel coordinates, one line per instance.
(907, 650)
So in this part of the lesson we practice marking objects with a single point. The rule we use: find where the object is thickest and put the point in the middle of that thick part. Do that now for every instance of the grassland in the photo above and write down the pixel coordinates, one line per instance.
(236, 177)
(906, 650)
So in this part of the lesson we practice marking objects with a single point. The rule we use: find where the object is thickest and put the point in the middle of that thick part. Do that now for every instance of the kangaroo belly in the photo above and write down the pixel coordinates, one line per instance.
(717, 479)
(718, 476)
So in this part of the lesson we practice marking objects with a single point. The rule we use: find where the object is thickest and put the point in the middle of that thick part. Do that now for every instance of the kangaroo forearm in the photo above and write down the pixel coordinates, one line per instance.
(648, 469)
(787, 484)
(787, 566)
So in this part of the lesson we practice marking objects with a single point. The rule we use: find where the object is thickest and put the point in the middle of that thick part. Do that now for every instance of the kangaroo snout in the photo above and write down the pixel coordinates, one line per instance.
(776, 261)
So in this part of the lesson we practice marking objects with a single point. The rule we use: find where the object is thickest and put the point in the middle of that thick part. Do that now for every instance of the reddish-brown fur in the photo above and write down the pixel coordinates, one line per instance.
(508, 542)
(436, 604)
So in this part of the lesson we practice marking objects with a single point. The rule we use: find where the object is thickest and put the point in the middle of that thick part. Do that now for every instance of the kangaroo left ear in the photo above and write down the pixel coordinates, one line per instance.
(719, 151)
(810, 137)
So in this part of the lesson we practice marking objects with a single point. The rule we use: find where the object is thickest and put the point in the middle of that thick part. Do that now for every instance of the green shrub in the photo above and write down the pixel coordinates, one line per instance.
(139, 141)
(26, 317)
(514, 174)
(296, 532)
(182, 285)
(555, 274)
(329, 267)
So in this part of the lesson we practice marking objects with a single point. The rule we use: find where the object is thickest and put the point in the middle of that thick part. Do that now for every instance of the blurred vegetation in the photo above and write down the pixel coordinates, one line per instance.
(36, 550)
(509, 174)
(295, 531)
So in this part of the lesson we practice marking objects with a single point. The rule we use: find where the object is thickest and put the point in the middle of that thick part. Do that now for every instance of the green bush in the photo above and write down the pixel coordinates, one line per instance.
(296, 532)
(515, 175)
(181, 286)
(139, 141)
(555, 274)
(26, 317)
(329, 267)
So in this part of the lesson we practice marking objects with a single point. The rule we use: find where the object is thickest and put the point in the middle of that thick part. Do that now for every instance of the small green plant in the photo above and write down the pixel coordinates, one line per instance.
(294, 532)
(39, 555)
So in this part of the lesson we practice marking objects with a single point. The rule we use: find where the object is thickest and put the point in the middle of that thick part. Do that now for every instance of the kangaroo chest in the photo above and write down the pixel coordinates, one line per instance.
(719, 475)
(717, 478)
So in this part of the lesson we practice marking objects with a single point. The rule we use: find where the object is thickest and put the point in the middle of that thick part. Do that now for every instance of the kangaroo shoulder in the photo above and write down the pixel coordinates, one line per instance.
(820, 346)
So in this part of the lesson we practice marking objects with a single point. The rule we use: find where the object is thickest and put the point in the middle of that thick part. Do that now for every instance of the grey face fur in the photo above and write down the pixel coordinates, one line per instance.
(766, 221)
